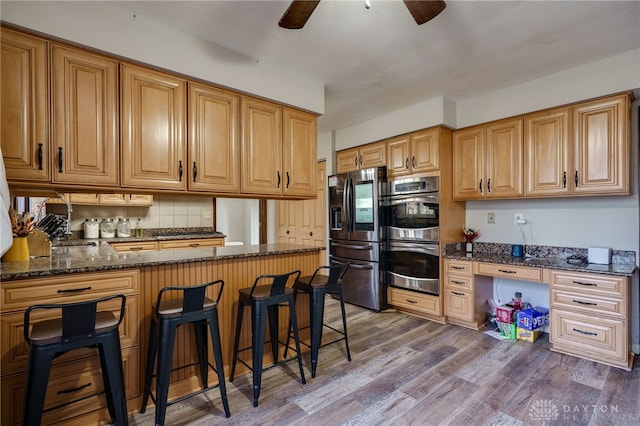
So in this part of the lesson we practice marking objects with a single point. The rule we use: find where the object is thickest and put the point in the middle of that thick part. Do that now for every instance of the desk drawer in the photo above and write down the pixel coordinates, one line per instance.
(589, 304)
(138, 246)
(413, 300)
(458, 267)
(603, 285)
(458, 282)
(509, 271)
(594, 337)
(459, 304)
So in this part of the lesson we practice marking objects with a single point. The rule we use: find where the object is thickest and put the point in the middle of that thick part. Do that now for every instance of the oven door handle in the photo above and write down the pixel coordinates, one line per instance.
(359, 266)
(353, 246)
(413, 230)
(428, 199)
(416, 248)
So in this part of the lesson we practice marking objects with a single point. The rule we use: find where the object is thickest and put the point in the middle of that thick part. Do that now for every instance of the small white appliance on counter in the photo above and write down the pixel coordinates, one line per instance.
(601, 255)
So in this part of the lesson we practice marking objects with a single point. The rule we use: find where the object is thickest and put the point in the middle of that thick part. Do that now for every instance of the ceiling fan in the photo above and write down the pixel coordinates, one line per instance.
(299, 11)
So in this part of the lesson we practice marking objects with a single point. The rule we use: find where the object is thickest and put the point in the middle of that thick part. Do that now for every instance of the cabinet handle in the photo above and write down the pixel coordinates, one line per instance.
(288, 179)
(195, 171)
(136, 248)
(287, 231)
(194, 244)
(73, 390)
(413, 161)
(278, 178)
(480, 186)
(74, 290)
(506, 271)
(584, 303)
(39, 156)
(457, 294)
(458, 282)
(360, 159)
(406, 163)
(576, 178)
(589, 284)
(411, 301)
(458, 267)
(489, 185)
(180, 170)
(588, 333)
(59, 159)
(564, 179)
(311, 234)
(355, 161)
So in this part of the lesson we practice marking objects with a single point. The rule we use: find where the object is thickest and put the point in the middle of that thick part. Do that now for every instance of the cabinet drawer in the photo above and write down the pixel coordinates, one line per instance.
(588, 335)
(604, 285)
(509, 271)
(588, 304)
(69, 381)
(459, 304)
(67, 288)
(192, 243)
(412, 300)
(139, 246)
(15, 351)
(458, 267)
(460, 283)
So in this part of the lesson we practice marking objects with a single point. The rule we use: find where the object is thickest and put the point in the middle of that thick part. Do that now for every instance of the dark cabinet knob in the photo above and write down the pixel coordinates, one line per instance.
(311, 234)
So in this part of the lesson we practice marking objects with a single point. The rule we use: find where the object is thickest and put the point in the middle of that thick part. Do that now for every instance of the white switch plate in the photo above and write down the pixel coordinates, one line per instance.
(206, 214)
(517, 217)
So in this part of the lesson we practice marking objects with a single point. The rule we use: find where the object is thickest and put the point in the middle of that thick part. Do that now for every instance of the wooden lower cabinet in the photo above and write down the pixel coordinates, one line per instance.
(137, 246)
(192, 243)
(76, 373)
(414, 302)
(465, 295)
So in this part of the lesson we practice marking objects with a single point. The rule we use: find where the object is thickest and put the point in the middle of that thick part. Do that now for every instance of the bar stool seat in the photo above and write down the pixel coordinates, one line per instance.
(194, 307)
(265, 300)
(80, 326)
(317, 286)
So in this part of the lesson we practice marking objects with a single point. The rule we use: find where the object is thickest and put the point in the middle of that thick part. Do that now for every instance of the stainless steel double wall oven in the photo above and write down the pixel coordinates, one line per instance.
(411, 251)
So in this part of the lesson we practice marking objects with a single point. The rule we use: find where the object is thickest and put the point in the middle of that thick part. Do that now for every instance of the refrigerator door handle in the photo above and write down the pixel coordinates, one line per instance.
(347, 203)
(358, 266)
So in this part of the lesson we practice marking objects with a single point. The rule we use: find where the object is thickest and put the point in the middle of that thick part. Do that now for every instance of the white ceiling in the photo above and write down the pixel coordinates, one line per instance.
(379, 60)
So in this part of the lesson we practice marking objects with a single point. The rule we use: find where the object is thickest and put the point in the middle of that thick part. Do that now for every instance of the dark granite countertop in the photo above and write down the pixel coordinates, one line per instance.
(102, 257)
(623, 262)
(148, 235)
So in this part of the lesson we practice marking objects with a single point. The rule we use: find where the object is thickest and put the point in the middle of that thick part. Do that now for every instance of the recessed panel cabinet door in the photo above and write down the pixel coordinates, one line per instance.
(24, 106)
(468, 163)
(503, 159)
(214, 148)
(84, 92)
(261, 147)
(425, 151)
(153, 129)
(299, 153)
(398, 156)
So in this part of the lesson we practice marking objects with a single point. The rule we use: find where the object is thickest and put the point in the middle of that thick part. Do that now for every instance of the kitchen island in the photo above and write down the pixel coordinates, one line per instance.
(75, 273)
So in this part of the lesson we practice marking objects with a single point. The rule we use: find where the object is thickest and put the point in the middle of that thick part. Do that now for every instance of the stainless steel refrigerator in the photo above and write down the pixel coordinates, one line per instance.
(355, 234)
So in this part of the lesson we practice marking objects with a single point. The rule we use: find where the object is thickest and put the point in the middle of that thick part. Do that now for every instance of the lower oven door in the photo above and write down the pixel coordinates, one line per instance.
(413, 266)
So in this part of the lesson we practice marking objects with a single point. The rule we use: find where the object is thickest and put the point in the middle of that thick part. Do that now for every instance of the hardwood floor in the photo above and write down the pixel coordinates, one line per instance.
(408, 371)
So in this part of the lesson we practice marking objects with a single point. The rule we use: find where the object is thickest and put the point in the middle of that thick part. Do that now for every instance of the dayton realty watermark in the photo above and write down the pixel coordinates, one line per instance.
(546, 412)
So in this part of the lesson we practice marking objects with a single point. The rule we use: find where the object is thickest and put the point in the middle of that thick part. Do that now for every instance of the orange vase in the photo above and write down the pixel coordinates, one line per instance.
(19, 250)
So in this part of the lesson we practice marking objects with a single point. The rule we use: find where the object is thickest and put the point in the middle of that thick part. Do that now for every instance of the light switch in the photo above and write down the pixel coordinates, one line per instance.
(206, 214)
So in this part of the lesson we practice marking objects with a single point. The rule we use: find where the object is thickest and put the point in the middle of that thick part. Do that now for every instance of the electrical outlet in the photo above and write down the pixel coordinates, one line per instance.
(491, 218)
(518, 217)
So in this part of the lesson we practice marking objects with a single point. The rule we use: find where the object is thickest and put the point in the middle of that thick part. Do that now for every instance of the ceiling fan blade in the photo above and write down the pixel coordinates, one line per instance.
(426, 10)
(297, 14)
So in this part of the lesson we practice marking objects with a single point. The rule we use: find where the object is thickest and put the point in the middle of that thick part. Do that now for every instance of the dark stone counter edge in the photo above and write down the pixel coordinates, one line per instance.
(264, 250)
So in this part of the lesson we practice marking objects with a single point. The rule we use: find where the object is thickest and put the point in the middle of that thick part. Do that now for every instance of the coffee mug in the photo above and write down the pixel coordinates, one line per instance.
(517, 250)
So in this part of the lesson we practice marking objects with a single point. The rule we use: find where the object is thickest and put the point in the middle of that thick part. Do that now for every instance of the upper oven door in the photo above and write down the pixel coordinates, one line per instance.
(412, 218)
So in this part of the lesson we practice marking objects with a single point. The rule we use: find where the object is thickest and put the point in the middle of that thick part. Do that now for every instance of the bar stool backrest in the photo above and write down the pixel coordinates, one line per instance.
(336, 273)
(278, 282)
(78, 320)
(194, 299)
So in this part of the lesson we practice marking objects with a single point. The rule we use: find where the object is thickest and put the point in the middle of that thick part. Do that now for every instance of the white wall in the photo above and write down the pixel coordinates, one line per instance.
(237, 219)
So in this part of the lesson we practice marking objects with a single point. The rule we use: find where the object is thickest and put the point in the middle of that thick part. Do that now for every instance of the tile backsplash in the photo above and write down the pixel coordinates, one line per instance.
(167, 211)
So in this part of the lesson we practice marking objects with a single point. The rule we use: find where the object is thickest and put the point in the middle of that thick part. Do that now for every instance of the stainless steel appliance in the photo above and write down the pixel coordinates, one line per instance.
(355, 234)
(411, 251)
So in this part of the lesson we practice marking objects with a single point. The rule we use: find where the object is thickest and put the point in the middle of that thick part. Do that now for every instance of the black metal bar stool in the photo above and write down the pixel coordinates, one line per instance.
(80, 326)
(194, 307)
(317, 285)
(265, 299)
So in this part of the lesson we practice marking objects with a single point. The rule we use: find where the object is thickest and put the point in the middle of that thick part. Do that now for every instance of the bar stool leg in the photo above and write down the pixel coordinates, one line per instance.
(152, 351)
(217, 355)
(257, 326)
(236, 341)
(200, 330)
(344, 325)
(273, 331)
(296, 337)
(165, 355)
(286, 345)
(113, 377)
(37, 379)
(317, 315)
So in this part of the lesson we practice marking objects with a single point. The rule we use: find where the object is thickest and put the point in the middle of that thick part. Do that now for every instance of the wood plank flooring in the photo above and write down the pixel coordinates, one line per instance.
(408, 371)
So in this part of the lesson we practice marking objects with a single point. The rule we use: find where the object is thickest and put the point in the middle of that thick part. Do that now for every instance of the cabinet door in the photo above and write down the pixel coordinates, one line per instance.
(347, 160)
(139, 200)
(112, 199)
(468, 163)
(261, 147)
(398, 156)
(601, 153)
(288, 215)
(24, 101)
(425, 151)
(214, 150)
(153, 128)
(546, 153)
(84, 94)
(299, 153)
(314, 211)
(503, 159)
(373, 155)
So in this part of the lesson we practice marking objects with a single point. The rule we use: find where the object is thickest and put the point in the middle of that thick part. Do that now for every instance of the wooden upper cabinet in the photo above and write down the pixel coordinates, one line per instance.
(214, 148)
(547, 153)
(488, 161)
(84, 93)
(24, 102)
(363, 157)
(416, 152)
(153, 110)
(261, 147)
(601, 146)
(299, 153)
